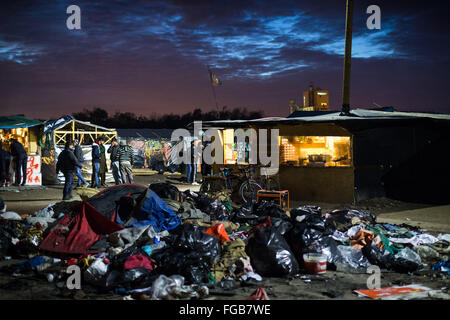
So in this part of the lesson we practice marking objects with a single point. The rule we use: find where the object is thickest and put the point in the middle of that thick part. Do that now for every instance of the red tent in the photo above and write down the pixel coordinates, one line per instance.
(76, 235)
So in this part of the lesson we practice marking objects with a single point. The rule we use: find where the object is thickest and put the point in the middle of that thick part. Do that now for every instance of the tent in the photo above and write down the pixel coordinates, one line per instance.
(106, 201)
(76, 235)
(152, 210)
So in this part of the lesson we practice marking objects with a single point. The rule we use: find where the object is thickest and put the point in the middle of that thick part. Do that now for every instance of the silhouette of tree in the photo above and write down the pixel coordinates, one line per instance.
(122, 120)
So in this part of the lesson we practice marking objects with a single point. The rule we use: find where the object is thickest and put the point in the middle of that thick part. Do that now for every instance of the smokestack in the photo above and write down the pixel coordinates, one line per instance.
(347, 59)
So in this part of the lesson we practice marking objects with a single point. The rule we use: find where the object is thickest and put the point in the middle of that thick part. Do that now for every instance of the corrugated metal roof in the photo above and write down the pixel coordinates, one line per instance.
(356, 115)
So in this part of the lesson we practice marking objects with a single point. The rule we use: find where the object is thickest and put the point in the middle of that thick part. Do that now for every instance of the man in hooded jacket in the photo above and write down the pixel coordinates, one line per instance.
(66, 164)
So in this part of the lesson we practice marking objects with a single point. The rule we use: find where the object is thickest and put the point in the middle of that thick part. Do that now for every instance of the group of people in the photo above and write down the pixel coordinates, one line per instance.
(20, 159)
(71, 161)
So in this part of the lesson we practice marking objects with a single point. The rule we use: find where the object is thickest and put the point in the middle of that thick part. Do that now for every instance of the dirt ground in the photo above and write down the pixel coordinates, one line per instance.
(333, 285)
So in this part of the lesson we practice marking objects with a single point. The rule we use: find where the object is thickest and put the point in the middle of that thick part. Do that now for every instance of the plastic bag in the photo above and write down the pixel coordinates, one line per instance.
(342, 220)
(219, 232)
(409, 255)
(283, 226)
(191, 253)
(312, 215)
(386, 260)
(244, 215)
(166, 190)
(352, 257)
(266, 208)
(216, 209)
(173, 288)
(138, 278)
(96, 271)
(270, 254)
(303, 238)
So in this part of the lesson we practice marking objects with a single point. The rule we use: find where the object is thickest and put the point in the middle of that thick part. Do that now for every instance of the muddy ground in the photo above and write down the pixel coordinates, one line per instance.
(333, 285)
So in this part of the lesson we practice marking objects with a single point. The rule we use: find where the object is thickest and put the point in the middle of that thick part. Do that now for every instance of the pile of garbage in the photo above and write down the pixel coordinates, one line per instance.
(160, 243)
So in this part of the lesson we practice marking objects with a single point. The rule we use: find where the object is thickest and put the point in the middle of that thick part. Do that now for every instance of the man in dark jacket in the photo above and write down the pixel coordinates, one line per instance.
(96, 157)
(103, 167)
(66, 164)
(20, 161)
(126, 160)
(114, 157)
(5, 160)
(78, 152)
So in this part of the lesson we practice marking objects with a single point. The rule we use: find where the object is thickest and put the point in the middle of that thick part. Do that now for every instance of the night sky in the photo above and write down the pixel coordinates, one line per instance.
(151, 57)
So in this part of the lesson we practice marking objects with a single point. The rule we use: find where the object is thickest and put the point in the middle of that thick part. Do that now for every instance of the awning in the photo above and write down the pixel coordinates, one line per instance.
(17, 121)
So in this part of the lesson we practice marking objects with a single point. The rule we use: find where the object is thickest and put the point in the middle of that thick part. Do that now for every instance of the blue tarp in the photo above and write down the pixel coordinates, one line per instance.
(152, 210)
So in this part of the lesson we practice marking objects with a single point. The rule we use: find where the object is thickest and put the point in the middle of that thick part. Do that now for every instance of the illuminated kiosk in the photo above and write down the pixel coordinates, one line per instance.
(28, 133)
(327, 157)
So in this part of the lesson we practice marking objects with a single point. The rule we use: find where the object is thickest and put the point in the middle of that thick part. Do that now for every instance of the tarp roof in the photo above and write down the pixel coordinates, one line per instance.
(356, 115)
(17, 121)
(55, 124)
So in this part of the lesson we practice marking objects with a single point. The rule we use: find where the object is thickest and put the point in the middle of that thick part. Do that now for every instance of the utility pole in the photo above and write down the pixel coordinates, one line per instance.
(347, 59)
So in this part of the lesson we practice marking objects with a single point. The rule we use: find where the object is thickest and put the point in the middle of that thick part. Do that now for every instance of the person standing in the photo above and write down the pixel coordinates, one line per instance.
(96, 157)
(67, 162)
(113, 150)
(78, 152)
(195, 160)
(103, 167)
(20, 161)
(5, 160)
(126, 160)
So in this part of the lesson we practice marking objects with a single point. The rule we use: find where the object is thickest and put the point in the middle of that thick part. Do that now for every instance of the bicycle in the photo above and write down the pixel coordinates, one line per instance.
(250, 187)
(247, 181)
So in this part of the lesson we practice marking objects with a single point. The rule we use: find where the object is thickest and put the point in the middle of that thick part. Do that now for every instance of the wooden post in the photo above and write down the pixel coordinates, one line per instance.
(347, 59)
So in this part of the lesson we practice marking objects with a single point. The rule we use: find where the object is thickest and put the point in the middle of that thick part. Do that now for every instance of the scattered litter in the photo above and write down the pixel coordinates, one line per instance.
(391, 291)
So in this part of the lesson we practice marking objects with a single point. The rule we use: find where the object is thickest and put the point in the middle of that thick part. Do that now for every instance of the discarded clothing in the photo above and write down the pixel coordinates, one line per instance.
(137, 261)
(228, 263)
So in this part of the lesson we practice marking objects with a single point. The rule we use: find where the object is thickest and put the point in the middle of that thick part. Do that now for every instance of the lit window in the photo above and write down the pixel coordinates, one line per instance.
(315, 151)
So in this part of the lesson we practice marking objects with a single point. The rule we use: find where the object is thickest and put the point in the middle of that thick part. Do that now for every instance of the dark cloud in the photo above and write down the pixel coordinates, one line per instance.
(152, 56)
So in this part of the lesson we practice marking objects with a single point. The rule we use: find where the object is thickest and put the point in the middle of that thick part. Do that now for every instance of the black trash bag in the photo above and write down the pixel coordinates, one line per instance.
(189, 237)
(386, 260)
(191, 265)
(342, 220)
(281, 225)
(129, 279)
(213, 207)
(302, 239)
(270, 254)
(166, 190)
(191, 253)
(138, 278)
(8, 229)
(266, 208)
(311, 215)
(244, 215)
